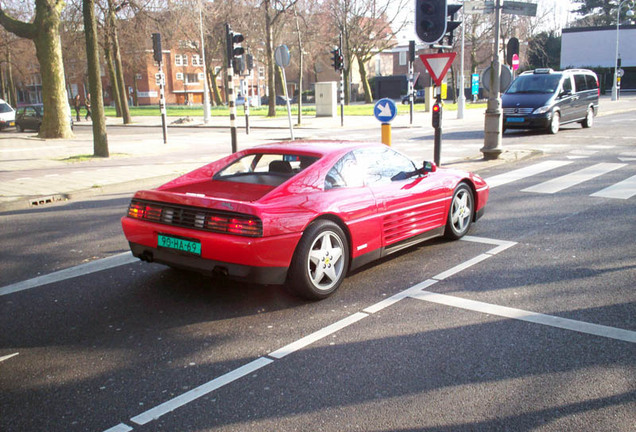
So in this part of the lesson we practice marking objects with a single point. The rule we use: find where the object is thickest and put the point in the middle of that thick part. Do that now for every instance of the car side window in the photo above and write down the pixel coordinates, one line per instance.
(579, 82)
(567, 84)
(345, 173)
(382, 164)
(591, 82)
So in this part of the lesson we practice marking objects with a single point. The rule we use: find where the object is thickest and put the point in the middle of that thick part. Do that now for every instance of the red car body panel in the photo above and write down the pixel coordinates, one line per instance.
(376, 219)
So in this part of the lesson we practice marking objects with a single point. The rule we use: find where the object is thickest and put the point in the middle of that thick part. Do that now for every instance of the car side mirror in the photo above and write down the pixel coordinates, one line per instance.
(428, 167)
(565, 93)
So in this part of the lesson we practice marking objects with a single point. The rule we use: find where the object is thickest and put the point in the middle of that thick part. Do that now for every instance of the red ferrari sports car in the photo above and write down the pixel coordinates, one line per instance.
(301, 214)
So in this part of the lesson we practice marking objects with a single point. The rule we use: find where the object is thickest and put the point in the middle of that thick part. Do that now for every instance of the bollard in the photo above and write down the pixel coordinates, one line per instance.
(386, 134)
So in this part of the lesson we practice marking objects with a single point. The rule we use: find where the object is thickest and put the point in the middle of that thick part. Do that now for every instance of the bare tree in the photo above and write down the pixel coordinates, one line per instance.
(44, 31)
(100, 140)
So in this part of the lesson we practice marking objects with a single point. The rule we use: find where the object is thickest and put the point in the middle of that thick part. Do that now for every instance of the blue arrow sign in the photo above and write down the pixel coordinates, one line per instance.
(385, 110)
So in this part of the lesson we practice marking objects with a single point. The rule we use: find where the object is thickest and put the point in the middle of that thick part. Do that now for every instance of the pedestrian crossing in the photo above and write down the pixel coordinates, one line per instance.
(624, 189)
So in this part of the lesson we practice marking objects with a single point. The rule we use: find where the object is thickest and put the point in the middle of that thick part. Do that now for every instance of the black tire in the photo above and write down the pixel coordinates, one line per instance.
(555, 123)
(18, 127)
(320, 262)
(589, 119)
(460, 213)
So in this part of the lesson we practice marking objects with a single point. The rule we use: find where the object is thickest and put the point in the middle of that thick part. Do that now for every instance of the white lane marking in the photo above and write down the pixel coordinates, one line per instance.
(532, 317)
(560, 183)
(202, 390)
(316, 336)
(119, 428)
(502, 245)
(522, 173)
(399, 296)
(627, 159)
(7, 357)
(462, 266)
(621, 190)
(69, 273)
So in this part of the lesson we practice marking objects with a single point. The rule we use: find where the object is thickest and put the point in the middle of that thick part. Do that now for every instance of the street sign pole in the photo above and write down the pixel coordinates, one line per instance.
(437, 143)
(385, 111)
(493, 122)
(342, 82)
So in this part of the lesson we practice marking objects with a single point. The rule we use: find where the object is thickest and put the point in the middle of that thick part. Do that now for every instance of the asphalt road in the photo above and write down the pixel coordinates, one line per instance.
(529, 324)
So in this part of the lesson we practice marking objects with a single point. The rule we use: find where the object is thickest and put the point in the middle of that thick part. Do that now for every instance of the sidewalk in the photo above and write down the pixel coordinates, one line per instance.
(35, 172)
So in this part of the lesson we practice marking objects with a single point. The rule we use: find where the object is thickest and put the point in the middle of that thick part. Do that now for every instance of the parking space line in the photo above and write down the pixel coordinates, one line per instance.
(316, 336)
(202, 390)
(120, 428)
(69, 273)
(532, 317)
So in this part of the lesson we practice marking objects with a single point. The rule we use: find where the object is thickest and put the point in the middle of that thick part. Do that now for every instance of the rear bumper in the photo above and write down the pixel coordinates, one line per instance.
(252, 274)
(262, 260)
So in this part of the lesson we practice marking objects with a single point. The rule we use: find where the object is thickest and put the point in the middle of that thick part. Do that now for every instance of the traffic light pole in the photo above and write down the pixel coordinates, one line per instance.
(437, 125)
(342, 81)
(162, 104)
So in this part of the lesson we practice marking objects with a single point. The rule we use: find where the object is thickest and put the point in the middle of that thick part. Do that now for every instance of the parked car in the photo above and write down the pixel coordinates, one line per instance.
(7, 115)
(301, 214)
(280, 100)
(29, 117)
(545, 99)
(418, 97)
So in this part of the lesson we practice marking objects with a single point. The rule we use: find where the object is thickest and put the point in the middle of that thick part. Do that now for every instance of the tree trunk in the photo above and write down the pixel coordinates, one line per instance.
(44, 31)
(119, 70)
(269, 52)
(368, 96)
(114, 87)
(100, 139)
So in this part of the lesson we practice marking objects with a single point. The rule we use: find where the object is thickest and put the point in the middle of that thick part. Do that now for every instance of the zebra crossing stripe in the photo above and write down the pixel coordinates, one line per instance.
(622, 190)
(522, 173)
(560, 183)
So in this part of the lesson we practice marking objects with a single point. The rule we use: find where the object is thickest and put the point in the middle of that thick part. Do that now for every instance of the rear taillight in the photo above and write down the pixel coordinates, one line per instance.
(235, 225)
(149, 212)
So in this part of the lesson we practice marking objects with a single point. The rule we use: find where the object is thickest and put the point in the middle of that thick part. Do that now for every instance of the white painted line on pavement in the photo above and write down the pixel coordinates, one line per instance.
(522, 173)
(502, 245)
(7, 357)
(564, 182)
(399, 296)
(621, 190)
(119, 428)
(316, 336)
(532, 317)
(69, 273)
(202, 390)
(462, 266)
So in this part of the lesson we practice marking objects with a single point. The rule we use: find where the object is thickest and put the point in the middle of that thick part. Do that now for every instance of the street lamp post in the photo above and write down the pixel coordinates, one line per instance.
(630, 13)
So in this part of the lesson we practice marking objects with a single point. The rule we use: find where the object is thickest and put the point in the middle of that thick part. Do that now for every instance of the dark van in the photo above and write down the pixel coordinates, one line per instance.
(545, 99)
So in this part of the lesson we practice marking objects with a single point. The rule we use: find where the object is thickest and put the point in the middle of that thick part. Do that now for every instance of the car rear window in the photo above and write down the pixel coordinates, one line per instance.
(265, 168)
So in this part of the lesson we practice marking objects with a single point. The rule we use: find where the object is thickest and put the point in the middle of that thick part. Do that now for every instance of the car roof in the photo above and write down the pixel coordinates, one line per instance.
(318, 148)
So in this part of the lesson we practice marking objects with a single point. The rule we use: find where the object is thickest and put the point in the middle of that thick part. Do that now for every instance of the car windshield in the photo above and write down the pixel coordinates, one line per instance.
(535, 84)
(265, 168)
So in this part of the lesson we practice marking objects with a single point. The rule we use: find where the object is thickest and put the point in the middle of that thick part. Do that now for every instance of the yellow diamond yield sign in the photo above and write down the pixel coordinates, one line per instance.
(438, 64)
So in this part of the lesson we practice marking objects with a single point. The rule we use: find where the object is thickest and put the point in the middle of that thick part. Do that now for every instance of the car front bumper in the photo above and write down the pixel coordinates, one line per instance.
(530, 121)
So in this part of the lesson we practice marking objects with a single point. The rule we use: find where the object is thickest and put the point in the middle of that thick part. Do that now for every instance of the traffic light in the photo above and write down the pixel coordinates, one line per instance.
(411, 51)
(156, 47)
(512, 48)
(452, 24)
(232, 42)
(437, 115)
(430, 20)
(337, 59)
(250, 62)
